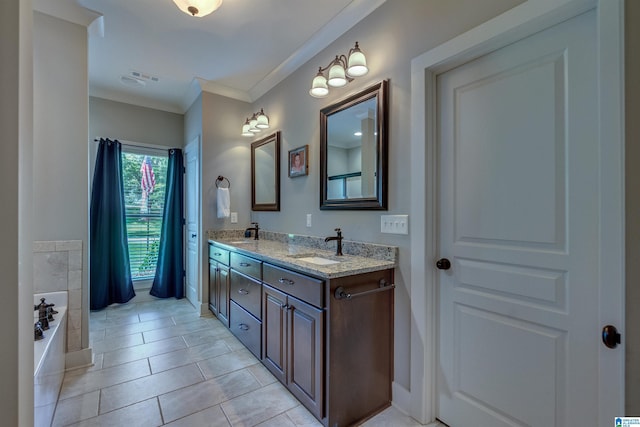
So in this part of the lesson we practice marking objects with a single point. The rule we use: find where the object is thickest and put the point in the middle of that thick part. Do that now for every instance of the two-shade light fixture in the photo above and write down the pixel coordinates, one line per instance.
(255, 124)
(198, 8)
(342, 70)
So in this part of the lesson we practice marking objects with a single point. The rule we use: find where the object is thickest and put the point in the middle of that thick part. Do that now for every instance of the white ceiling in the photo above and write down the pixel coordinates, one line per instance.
(241, 50)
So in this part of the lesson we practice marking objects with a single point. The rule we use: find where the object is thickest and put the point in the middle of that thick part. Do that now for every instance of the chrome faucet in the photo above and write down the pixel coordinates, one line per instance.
(254, 228)
(339, 240)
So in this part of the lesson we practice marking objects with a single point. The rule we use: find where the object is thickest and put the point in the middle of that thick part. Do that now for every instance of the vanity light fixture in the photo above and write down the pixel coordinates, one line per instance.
(255, 124)
(198, 8)
(342, 70)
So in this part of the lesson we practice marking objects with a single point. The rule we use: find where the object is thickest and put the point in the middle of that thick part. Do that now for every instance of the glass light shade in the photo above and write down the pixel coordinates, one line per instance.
(198, 8)
(245, 129)
(337, 77)
(252, 124)
(319, 88)
(357, 64)
(263, 120)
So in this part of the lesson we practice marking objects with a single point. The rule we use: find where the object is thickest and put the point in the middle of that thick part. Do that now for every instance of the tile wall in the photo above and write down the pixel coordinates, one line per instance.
(57, 266)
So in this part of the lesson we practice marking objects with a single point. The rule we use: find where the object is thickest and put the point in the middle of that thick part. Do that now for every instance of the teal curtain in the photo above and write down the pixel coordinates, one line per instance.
(169, 279)
(110, 272)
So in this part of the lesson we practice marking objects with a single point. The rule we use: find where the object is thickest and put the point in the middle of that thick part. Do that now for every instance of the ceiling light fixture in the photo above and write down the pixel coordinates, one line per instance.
(255, 124)
(198, 8)
(342, 70)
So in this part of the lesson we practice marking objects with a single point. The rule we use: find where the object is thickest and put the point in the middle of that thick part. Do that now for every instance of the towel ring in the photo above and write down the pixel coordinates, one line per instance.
(220, 179)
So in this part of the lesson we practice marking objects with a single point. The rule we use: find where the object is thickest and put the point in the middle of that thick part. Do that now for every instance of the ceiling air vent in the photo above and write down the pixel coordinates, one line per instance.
(132, 81)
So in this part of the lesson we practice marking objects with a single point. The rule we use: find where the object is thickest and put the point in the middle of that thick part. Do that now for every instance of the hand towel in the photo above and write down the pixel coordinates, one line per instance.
(224, 203)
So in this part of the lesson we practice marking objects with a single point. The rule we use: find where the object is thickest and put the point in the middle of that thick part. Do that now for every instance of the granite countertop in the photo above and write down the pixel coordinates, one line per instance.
(286, 250)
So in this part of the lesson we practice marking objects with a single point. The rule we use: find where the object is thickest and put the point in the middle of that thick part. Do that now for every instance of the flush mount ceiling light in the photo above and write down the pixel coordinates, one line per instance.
(255, 124)
(198, 8)
(342, 70)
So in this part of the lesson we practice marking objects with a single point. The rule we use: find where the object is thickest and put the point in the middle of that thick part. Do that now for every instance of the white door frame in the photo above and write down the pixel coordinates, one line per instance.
(517, 23)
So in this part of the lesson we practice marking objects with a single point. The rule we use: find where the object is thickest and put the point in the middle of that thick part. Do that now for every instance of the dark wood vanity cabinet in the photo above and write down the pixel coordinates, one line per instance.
(293, 346)
(329, 341)
(219, 283)
(245, 317)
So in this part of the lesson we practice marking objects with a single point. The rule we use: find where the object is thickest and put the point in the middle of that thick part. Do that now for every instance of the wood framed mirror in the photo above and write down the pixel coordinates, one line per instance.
(265, 173)
(354, 150)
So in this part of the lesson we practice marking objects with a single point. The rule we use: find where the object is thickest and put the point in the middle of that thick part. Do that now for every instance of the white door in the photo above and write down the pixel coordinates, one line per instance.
(518, 155)
(192, 204)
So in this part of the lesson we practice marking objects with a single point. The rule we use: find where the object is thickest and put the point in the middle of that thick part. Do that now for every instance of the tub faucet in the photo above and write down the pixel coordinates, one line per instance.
(339, 240)
(43, 314)
(38, 334)
(254, 228)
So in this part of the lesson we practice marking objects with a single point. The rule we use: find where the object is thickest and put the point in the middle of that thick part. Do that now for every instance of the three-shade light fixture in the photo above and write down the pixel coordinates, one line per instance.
(342, 70)
(255, 124)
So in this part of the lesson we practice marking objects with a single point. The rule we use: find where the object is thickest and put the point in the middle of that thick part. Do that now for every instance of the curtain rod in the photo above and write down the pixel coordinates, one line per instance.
(134, 144)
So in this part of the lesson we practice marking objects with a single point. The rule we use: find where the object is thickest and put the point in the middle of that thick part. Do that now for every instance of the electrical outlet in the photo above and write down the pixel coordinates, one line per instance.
(394, 224)
(234, 217)
(308, 220)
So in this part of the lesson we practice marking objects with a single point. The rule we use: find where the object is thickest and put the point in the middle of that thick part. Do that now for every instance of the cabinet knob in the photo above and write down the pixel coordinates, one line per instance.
(243, 326)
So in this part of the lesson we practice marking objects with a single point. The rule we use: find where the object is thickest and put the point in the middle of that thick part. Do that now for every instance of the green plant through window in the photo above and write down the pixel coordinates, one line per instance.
(144, 177)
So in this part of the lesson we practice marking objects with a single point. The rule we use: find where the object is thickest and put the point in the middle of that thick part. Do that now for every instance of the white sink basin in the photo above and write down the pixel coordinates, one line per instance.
(318, 260)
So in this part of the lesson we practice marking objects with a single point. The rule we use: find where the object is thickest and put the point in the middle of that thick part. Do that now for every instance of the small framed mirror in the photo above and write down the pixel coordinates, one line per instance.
(353, 151)
(265, 173)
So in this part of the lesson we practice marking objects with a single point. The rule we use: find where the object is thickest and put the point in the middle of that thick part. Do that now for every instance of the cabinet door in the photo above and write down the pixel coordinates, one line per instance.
(306, 351)
(213, 287)
(274, 331)
(223, 294)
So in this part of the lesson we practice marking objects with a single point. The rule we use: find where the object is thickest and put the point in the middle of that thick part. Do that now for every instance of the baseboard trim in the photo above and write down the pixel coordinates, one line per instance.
(78, 359)
(401, 398)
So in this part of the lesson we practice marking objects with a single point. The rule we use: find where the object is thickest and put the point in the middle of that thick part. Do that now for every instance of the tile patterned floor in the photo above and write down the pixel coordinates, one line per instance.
(158, 363)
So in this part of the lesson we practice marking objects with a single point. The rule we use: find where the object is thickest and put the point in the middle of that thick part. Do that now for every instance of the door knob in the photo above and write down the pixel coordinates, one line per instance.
(610, 336)
(443, 264)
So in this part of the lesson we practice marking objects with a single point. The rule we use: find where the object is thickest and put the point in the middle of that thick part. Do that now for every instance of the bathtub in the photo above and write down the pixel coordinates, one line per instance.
(49, 359)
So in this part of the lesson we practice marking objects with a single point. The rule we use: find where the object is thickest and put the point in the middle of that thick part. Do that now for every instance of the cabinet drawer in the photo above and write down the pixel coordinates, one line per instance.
(246, 265)
(300, 286)
(220, 255)
(246, 328)
(247, 292)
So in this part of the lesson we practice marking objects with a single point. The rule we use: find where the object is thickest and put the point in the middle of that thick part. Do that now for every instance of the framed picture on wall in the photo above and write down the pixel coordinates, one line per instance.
(299, 161)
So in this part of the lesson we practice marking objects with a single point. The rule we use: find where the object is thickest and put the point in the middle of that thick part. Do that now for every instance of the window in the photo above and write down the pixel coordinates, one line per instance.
(144, 173)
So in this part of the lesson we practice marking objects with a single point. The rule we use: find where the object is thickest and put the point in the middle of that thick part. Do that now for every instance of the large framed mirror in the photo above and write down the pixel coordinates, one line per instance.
(353, 151)
(265, 173)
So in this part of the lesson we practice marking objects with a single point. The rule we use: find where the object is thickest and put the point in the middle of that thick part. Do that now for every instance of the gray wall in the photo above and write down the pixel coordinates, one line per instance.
(390, 37)
(632, 201)
(60, 150)
(117, 120)
(217, 120)
(16, 122)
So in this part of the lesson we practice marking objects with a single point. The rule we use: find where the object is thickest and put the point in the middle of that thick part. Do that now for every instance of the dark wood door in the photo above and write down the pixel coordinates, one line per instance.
(213, 287)
(274, 331)
(223, 294)
(305, 341)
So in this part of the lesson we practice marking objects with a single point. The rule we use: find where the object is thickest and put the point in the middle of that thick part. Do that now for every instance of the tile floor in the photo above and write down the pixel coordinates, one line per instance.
(158, 363)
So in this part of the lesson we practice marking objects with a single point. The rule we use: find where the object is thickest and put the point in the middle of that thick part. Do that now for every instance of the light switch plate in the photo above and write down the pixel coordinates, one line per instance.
(394, 224)
(234, 217)
(308, 220)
